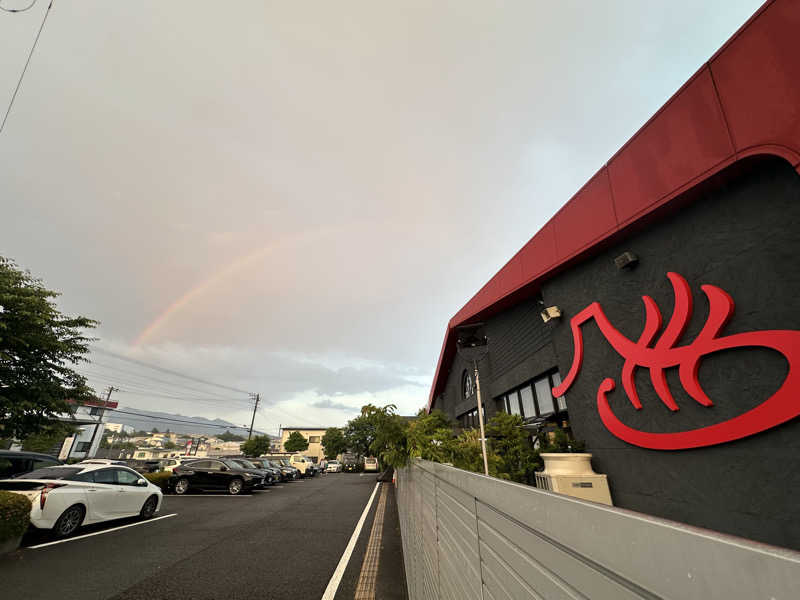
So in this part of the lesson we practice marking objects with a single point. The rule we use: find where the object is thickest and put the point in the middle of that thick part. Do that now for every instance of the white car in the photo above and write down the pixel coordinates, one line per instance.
(334, 466)
(171, 463)
(370, 465)
(64, 497)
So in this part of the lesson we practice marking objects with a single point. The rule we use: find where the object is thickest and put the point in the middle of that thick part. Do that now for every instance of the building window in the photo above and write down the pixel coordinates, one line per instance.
(313, 439)
(83, 446)
(469, 420)
(467, 384)
(94, 412)
(535, 398)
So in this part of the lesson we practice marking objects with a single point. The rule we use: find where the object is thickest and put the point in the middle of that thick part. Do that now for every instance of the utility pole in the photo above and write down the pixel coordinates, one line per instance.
(480, 419)
(111, 388)
(257, 397)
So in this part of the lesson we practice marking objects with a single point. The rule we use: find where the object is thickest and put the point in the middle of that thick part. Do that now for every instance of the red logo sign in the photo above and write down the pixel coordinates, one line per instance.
(782, 406)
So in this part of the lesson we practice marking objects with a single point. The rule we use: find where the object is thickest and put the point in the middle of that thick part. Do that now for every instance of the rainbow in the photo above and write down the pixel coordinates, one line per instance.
(216, 278)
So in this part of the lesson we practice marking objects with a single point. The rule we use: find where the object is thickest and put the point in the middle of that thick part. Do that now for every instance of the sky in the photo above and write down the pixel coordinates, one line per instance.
(293, 199)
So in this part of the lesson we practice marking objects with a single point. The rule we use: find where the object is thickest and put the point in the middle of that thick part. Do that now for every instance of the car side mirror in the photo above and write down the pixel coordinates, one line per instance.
(223, 468)
(141, 482)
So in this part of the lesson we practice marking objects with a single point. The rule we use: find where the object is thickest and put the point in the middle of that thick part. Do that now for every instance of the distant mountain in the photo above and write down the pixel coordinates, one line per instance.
(163, 421)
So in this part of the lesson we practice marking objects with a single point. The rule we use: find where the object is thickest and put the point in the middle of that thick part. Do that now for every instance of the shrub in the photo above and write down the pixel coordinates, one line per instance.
(15, 515)
(158, 478)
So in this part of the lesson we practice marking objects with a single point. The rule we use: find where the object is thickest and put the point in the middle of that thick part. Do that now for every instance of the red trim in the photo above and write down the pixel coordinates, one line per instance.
(742, 102)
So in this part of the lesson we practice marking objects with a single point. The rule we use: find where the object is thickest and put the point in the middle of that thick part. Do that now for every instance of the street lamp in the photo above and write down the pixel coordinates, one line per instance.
(472, 347)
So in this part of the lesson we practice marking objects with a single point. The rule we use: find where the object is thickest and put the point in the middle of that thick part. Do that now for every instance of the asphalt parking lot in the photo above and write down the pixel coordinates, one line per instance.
(283, 542)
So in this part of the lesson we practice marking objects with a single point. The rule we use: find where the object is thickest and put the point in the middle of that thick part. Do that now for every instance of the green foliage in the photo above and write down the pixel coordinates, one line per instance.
(379, 432)
(140, 433)
(295, 442)
(333, 442)
(50, 435)
(38, 346)
(559, 441)
(170, 445)
(154, 430)
(516, 455)
(15, 515)
(257, 445)
(431, 437)
(231, 437)
(158, 478)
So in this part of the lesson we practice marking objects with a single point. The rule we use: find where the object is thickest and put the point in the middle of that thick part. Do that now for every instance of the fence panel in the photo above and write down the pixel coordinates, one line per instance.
(467, 536)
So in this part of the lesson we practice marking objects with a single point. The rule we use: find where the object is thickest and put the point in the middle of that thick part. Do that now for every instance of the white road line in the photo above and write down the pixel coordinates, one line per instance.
(208, 495)
(336, 579)
(79, 537)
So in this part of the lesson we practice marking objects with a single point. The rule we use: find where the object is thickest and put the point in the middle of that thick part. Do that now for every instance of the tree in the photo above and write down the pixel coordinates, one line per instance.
(50, 436)
(517, 457)
(154, 430)
(333, 442)
(230, 437)
(169, 445)
(256, 446)
(296, 442)
(38, 347)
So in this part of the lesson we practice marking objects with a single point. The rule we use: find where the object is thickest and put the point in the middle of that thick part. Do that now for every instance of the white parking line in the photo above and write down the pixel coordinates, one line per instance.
(79, 537)
(333, 584)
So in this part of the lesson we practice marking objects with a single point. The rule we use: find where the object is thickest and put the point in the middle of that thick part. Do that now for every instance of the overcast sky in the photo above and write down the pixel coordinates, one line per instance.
(294, 198)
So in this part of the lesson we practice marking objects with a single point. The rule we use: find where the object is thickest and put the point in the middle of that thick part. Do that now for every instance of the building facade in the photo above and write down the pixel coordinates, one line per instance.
(314, 436)
(674, 274)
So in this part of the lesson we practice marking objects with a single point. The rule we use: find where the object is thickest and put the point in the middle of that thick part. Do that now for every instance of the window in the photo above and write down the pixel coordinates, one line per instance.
(125, 477)
(140, 455)
(469, 420)
(214, 465)
(94, 411)
(83, 446)
(200, 464)
(107, 476)
(535, 398)
(313, 439)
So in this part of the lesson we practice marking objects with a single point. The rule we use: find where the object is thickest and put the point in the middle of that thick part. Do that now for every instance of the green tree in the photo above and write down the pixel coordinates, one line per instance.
(38, 347)
(230, 437)
(50, 436)
(333, 442)
(154, 430)
(256, 446)
(169, 445)
(295, 442)
(517, 457)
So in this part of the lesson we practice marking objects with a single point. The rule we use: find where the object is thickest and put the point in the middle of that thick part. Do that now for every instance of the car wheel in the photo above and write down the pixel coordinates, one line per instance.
(182, 486)
(235, 486)
(149, 508)
(69, 521)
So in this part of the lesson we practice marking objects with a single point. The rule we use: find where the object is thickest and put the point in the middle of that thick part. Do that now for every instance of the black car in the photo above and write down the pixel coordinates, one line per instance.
(282, 473)
(269, 476)
(217, 474)
(13, 463)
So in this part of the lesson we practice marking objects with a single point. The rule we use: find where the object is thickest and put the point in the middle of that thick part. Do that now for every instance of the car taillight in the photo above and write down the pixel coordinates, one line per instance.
(45, 490)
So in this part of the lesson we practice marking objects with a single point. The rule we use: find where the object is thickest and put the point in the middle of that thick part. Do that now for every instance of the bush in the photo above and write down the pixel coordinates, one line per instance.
(15, 515)
(158, 478)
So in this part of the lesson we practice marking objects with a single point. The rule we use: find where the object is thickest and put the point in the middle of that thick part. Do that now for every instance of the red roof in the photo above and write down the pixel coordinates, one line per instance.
(744, 101)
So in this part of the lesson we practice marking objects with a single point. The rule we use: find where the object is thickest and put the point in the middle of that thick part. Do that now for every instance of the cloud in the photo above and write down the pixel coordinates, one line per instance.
(328, 403)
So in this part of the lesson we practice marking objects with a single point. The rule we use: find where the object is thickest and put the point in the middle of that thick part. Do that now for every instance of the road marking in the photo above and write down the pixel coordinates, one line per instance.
(336, 579)
(85, 535)
(365, 588)
(208, 495)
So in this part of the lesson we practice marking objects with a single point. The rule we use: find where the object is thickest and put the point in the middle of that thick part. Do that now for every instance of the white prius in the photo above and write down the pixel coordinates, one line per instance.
(64, 497)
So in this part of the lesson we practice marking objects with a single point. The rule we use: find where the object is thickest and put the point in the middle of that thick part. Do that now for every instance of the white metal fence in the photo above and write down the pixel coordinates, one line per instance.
(470, 536)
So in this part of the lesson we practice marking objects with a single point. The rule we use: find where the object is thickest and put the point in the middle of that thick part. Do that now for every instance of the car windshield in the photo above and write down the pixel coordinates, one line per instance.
(247, 464)
(52, 473)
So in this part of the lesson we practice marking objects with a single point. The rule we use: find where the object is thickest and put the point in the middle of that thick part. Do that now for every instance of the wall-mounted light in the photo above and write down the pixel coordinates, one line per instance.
(626, 260)
(551, 312)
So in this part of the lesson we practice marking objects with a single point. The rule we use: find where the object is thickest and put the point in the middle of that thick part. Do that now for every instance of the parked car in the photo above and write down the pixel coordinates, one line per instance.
(213, 475)
(14, 462)
(103, 461)
(370, 465)
(334, 466)
(64, 497)
(284, 472)
(350, 463)
(146, 466)
(303, 464)
(268, 475)
(170, 463)
(283, 463)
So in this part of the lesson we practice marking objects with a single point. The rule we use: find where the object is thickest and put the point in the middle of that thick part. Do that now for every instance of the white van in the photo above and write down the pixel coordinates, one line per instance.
(303, 464)
(370, 465)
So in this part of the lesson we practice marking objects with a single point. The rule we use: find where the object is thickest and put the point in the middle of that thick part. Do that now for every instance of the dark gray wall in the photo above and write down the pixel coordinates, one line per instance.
(741, 235)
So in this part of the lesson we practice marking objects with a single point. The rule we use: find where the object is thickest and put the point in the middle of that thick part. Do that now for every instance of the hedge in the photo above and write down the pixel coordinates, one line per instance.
(15, 515)
(158, 478)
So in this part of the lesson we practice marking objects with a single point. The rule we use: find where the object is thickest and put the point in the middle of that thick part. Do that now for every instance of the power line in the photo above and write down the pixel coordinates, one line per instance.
(177, 420)
(27, 62)
(170, 372)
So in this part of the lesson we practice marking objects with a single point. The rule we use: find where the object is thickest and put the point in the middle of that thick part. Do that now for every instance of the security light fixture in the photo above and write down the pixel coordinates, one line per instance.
(626, 260)
(551, 312)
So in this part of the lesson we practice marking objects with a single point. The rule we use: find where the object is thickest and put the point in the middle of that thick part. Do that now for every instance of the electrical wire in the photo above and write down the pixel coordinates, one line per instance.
(178, 420)
(168, 371)
(27, 62)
